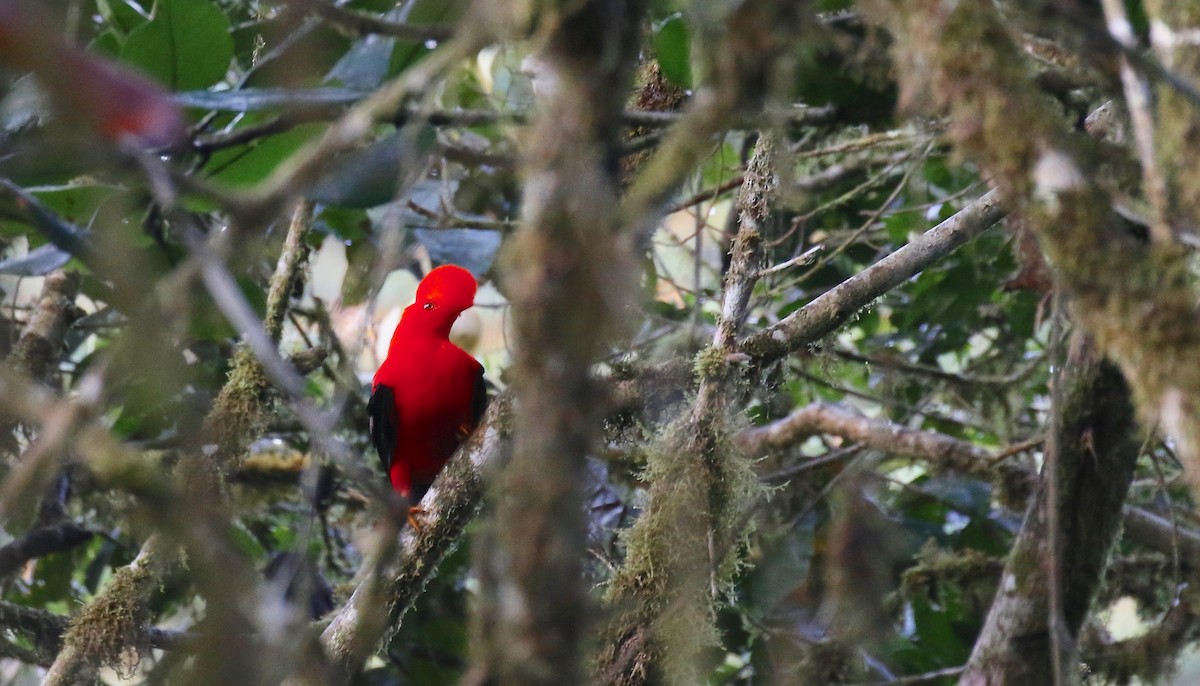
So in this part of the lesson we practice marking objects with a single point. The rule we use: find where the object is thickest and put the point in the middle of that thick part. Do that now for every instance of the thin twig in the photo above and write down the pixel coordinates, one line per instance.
(360, 23)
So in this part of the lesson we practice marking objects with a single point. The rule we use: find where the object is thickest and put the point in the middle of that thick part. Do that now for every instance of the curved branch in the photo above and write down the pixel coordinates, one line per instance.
(380, 601)
(45, 631)
(41, 542)
(877, 434)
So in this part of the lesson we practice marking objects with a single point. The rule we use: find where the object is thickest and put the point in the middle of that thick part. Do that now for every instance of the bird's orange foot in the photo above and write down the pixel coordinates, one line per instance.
(414, 518)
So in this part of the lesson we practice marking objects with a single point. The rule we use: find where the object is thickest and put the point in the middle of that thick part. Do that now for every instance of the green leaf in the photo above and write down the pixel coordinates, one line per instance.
(107, 44)
(673, 48)
(935, 631)
(1137, 17)
(347, 223)
(82, 203)
(51, 579)
(722, 165)
(900, 224)
(365, 65)
(122, 16)
(250, 164)
(246, 541)
(375, 174)
(185, 45)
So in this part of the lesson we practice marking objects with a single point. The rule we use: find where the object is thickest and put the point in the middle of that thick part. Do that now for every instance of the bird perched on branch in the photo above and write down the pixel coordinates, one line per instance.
(428, 394)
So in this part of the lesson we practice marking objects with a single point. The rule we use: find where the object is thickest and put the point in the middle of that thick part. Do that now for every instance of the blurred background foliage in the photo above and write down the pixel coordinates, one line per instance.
(961, 349)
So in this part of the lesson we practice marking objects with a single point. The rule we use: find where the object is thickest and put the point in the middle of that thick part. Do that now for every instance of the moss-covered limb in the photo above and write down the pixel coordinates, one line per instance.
(36, 351)
(44, 630)
(1178, 123)
(1149, 657)
(682, 551)
(310, 360)
(27, 401)
(60, 423)
(1159, 534)
(185, 513)
(449, 505)
(834, 307)
(1141, 119)
(681, 554)
(570, 278)
(238, 411)
(1093, 447)
(113, 622)
(287, 270)
(755, 199)
(1137, 300)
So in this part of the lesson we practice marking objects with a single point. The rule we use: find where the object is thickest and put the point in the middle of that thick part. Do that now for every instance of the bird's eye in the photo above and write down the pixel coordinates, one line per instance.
(429, 306)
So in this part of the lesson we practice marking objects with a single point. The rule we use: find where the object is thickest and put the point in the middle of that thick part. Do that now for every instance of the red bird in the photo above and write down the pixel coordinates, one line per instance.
(429, 394)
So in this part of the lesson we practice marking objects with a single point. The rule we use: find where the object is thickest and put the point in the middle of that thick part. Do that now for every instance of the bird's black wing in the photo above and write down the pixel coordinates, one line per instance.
(385, 425)
(479, 400)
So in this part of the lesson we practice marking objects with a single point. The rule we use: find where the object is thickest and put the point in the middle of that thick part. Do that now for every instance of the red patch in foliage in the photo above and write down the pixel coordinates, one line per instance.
(114, 102)
(120, 104)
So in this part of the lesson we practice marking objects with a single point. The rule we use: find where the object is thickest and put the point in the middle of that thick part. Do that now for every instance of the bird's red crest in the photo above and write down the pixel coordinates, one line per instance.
(450, 285)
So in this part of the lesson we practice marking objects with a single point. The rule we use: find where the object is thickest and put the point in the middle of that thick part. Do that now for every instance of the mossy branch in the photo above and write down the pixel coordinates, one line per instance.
(380, 601)
(238, 410)
(741, 61)
(107, 625)
(681, 552)
(569, 274)
(1137, 300)
(1094, 443)
(113, 622)
(36, 351)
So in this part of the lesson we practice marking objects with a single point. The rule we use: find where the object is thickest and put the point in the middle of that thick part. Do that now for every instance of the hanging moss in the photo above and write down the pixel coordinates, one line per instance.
(237, 413)
(710, 364)
(682, 554)
(109, 629)
(968, 575)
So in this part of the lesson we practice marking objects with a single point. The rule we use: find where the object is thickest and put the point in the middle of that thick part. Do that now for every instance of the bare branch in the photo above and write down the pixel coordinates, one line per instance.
(40, 542)
(836, 306)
